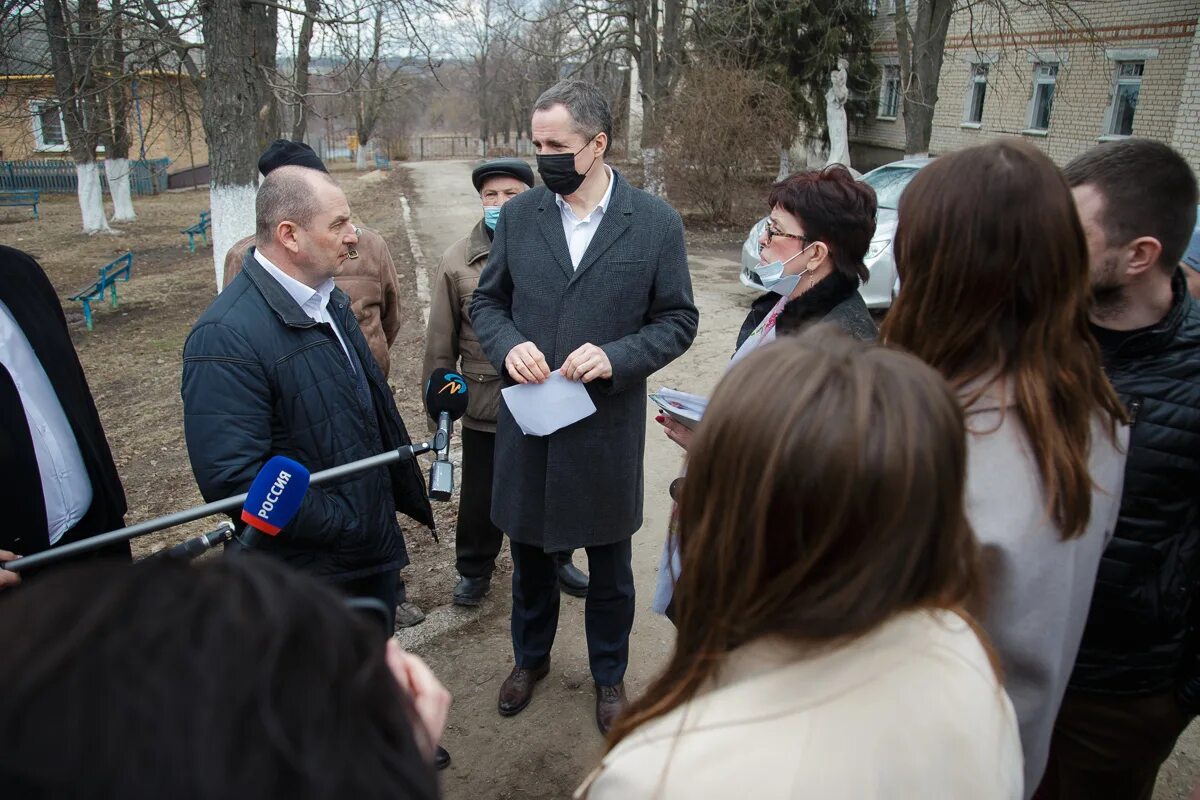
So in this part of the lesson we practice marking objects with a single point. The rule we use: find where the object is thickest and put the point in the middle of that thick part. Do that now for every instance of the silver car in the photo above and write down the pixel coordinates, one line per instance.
(888, 182)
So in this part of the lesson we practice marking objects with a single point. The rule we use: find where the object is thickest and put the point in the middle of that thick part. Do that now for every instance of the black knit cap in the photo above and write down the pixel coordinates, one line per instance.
(284, 153)
(512, 167)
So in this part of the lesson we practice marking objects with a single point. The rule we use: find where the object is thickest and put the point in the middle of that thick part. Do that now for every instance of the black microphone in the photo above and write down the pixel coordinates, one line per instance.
(197, 545)
(446, 401)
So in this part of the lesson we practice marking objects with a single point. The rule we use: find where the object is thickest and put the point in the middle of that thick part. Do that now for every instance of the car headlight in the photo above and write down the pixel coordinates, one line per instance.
(877, 247)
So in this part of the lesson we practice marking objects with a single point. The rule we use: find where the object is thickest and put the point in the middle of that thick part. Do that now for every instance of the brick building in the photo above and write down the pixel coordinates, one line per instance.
(1130, 67)
(164, 108)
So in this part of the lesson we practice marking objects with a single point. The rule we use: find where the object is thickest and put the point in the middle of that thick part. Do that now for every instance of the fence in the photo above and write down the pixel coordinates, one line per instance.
(424, 148)
(58, 176)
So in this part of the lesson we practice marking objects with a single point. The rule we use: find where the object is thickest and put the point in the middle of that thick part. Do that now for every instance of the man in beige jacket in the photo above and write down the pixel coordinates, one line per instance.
(369, 277)
(451, 343)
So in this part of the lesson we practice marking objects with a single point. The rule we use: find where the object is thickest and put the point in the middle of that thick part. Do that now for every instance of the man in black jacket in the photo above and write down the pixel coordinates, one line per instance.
(277, 365)
(1136, 682)
(59, 481)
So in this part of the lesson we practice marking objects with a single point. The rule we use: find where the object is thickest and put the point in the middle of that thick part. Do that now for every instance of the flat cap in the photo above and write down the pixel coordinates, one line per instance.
(512, 167)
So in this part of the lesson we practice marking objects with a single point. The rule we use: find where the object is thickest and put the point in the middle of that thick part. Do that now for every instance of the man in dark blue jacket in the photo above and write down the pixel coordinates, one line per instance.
(277, 365)
(1136, 682)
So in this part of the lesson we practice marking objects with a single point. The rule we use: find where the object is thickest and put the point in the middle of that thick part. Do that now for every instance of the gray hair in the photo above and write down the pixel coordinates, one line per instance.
(584, 102)
(285, 194)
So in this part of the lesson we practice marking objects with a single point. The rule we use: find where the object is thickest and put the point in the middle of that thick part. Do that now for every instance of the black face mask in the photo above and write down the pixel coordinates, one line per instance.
(558, 171)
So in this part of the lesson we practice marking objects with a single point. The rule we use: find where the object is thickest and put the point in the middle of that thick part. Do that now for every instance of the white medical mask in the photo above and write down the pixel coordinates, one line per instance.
(773, 279)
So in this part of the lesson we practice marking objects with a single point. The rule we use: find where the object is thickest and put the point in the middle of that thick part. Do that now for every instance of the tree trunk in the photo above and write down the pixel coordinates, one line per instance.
(73, 55)
(481, 78)
(636, 116)
(659, 60)
(922, 48)
(371, 97)
(303, 58)
(91, 197)
(118, 140)
(117, 171)
(785, 163)
(237, 115)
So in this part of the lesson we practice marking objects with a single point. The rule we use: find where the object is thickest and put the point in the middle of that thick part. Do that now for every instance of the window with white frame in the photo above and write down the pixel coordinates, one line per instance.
(891, 6)
(889, 93)
(976, 94)
(48, 130)
(872, 7)
(1125, 97)
(1045, 77)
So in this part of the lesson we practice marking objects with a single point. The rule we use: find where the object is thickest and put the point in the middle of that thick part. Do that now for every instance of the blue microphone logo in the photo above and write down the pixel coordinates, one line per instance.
(275, 496)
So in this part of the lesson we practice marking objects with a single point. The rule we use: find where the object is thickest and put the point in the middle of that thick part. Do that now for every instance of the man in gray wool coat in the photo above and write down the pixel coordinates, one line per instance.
(587, 275)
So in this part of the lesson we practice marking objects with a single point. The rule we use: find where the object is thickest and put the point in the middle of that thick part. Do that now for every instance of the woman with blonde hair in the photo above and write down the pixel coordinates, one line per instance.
(994, 265)
(823, 649)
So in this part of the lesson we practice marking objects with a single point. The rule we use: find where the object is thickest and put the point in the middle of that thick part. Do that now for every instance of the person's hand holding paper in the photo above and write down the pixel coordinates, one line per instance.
(682, 412)
(540, 409)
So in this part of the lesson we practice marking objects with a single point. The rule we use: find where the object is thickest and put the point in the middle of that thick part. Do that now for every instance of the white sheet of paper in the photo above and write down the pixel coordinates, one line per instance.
(686, 409)
(540, 409)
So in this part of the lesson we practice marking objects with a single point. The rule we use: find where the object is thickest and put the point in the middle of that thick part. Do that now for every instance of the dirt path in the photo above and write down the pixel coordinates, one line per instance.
(549, 747)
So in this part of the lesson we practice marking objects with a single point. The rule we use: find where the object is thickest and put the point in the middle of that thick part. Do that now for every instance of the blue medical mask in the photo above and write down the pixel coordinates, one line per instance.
(773, 279)
(491, 215)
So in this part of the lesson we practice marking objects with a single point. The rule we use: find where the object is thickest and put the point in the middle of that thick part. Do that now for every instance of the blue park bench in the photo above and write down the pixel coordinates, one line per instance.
(119, 270)
(21, 197)
(382, 161)
(199, 229)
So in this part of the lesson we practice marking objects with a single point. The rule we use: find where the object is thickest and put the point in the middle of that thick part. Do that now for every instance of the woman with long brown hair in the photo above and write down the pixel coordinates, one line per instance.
(994, 268)
(823, 650)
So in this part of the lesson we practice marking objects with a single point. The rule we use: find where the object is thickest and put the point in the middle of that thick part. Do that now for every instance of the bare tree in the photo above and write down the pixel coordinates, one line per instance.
(369, 78)
(922, 46)
(117, 138)
(239, 111)
(301, 76)
(656, 41)
(74, 46)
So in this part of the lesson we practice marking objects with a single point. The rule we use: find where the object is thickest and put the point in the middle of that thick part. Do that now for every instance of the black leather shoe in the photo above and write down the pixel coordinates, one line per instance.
(610, 702)
(517, 689)
(441, 759)
(470, 591)
(571, 579)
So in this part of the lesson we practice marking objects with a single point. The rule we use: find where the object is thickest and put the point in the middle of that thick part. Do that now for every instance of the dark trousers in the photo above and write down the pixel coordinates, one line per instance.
(1110, 747)
(381, 586)
(608, 610)
(477, 541)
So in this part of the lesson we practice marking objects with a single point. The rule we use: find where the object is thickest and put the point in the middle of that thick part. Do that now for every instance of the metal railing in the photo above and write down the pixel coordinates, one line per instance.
(58, 176)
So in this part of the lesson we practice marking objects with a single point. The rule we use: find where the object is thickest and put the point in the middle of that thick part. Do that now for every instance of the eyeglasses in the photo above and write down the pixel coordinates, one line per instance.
(775, 233)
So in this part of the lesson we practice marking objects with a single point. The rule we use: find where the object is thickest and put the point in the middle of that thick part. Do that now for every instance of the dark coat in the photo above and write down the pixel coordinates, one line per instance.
(631, 296)
(261, 378)
(32, 301)
(1141, 633)
(835, 299)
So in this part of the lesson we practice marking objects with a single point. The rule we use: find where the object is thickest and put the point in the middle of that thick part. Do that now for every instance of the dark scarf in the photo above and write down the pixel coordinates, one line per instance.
(815, 304)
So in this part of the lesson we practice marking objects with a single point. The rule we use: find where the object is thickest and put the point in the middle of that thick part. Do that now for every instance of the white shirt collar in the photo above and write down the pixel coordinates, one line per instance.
(302, 293)
(601, 207)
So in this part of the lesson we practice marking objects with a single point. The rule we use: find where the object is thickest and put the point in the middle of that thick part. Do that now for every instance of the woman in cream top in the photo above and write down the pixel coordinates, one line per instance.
(823, 649)
(911, 710)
